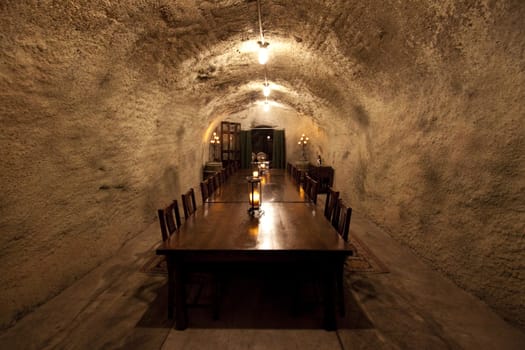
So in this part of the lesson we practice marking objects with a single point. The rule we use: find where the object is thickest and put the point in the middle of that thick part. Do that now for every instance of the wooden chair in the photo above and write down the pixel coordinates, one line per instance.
(204, 190)
(297, 176)
(188, 203)
(169, 219)
(307, 186)
(170, 222)
(331, 201)
(311, 187)
(211, 186)
(216, 180)
(341, 219)
(314, 190)
(224, 174)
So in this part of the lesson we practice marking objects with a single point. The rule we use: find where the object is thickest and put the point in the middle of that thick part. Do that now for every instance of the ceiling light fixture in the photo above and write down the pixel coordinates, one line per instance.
(263, 52)
(266, 89)
(263, 45)
(266, 106)
(266, 86)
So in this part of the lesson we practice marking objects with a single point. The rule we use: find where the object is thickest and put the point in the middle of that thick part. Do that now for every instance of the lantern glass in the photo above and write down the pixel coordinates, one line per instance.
(255, 195)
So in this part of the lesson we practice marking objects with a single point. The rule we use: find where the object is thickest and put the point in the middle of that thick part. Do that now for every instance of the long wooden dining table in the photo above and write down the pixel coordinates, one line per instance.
(289, 231)
(277, 186)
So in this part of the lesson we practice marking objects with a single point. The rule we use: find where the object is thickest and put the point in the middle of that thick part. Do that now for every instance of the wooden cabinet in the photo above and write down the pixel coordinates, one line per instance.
(230, 142)
(324, 175)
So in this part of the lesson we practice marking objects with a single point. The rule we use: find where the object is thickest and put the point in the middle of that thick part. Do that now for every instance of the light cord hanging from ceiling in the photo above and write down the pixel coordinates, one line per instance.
(260, 20)
(263, 45)
(263, 58)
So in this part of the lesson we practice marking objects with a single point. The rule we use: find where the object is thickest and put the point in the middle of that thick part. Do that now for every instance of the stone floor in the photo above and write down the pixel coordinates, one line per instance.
(411, 307)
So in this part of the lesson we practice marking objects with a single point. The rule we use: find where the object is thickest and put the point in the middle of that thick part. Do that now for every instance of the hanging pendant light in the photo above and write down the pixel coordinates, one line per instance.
(266, 106)
(263, 52)
(263, 44)
(266, 89)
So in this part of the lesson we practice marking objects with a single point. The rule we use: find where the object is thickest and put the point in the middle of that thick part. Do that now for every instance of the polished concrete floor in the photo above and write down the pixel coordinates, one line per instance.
(411, 307)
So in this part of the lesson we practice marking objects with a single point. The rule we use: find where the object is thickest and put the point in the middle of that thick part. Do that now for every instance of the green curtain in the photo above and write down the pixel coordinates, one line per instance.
(279, 149)
(246, 149)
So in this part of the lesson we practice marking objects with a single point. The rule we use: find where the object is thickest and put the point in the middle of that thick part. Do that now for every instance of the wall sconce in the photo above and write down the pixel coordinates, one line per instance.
(255, 195)
(303, 141)
(214, 142)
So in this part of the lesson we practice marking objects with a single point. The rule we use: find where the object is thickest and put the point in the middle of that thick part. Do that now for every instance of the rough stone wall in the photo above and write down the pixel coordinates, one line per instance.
(438, 153)
(89, 149)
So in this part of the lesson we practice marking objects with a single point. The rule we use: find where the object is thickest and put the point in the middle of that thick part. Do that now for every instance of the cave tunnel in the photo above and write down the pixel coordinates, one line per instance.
(107, 110)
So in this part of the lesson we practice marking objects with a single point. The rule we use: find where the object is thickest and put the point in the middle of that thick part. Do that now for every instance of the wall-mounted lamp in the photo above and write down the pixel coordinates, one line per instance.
(303, 141)
(215, 144)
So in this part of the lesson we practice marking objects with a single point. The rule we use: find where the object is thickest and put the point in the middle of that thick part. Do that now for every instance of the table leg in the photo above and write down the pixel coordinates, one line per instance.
(329, 300)
(341, 288)
(181, 317)
(171, 285)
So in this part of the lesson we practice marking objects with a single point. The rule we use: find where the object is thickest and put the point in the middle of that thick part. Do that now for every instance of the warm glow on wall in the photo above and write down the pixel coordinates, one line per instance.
(266, 106)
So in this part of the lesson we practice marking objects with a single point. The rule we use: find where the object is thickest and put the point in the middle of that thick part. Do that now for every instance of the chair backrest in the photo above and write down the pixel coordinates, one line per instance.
(311, 187)
(331, 201)
(211, 186)
(298, 175)
(222, 176)
(341, 219)
(307, 186)
(188, 203)
(314, 190)
(169, 220)
(204, 190)
(216, 180)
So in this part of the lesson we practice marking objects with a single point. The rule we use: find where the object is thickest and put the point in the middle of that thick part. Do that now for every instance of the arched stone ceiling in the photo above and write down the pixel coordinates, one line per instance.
(210, 48)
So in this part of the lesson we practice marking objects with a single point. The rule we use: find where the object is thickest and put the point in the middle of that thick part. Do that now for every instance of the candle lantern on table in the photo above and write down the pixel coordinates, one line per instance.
(263, 167)
(255, 195)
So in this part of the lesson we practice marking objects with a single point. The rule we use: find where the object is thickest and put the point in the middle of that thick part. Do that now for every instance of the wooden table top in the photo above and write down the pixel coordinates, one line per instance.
(282, 227)
(276, 187)
(286, 230)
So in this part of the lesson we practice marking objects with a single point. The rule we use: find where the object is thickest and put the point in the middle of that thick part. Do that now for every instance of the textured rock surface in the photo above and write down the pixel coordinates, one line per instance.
(106, 108)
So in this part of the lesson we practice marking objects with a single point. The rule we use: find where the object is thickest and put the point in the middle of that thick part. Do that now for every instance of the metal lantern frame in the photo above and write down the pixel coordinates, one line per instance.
(255, 186)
